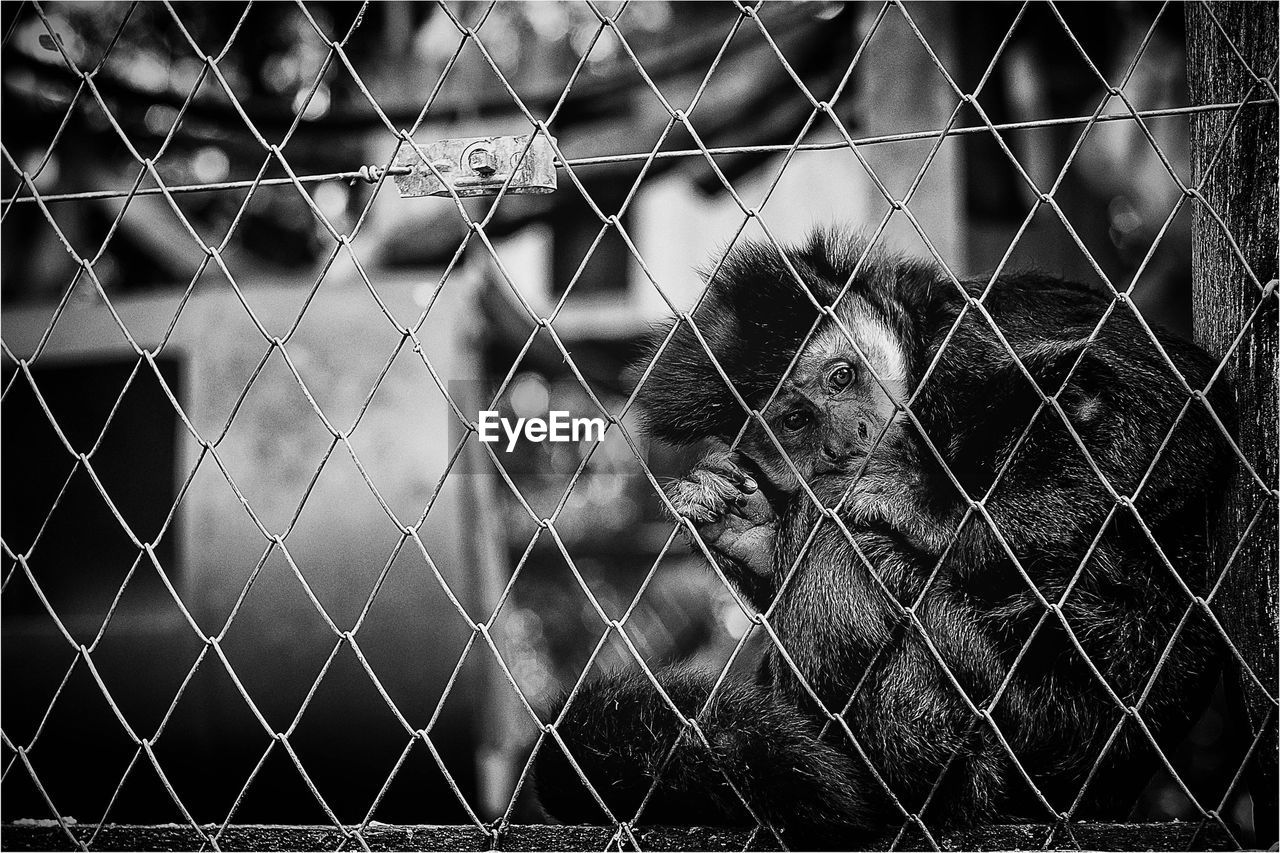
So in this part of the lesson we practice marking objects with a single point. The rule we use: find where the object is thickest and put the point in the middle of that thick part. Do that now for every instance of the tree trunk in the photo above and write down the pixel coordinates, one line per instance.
(1239, 183)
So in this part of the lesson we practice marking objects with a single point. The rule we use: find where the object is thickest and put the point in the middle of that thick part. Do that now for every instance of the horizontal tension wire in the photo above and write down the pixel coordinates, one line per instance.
(372, 174)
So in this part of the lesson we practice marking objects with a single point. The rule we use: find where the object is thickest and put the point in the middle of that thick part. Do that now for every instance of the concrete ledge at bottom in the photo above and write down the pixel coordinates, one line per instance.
(49, 835)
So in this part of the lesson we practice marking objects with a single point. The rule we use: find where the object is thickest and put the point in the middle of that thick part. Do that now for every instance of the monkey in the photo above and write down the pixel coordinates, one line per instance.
(974, 515)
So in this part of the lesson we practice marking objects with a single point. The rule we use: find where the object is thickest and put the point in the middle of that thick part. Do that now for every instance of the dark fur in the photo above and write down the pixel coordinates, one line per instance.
(852, 643)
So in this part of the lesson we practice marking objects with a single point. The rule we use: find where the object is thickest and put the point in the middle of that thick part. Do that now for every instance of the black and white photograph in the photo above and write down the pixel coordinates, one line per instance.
(590, 425)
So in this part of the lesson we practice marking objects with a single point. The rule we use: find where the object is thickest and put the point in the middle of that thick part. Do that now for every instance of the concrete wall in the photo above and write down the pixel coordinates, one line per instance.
(272, 443)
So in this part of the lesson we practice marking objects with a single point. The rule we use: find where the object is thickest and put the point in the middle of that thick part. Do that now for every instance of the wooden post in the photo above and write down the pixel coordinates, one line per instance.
(502, 726)
(1241, 187)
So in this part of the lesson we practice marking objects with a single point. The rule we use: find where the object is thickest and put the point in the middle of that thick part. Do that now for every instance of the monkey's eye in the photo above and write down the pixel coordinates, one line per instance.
(796, 420)
(841, 377)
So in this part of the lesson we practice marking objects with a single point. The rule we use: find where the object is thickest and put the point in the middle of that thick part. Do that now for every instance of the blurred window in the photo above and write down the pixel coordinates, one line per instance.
(576, 226)
(83, 553)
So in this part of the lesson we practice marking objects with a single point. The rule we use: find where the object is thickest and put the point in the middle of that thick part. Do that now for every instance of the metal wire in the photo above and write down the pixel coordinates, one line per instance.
(408, 530)
(372, 173)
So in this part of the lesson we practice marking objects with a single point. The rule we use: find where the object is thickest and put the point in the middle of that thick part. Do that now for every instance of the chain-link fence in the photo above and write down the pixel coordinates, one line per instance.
(267, 266)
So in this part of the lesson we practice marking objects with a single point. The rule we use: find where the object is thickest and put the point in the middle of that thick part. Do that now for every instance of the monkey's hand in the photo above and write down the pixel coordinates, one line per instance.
(729, 511)
(894, 501)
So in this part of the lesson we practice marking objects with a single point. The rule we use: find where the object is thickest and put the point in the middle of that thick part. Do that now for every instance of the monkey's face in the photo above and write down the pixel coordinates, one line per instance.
(836, 403)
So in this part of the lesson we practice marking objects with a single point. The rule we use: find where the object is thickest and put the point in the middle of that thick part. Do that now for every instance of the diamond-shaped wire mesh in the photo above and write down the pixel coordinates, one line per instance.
(259, 568)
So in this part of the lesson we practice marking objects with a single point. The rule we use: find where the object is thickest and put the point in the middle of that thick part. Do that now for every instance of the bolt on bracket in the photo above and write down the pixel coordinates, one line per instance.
(477, 166)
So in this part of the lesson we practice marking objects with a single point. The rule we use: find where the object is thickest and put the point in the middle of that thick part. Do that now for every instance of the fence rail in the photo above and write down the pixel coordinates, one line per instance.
(1082, 836)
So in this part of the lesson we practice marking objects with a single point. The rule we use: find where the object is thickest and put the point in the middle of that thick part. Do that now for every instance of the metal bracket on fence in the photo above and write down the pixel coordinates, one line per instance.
(478, 166)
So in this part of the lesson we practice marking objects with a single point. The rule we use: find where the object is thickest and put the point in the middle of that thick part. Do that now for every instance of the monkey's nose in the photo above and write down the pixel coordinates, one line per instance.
(838, 449)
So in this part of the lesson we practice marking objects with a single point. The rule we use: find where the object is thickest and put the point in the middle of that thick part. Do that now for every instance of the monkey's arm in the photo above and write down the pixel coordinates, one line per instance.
(761, 747)
(846, 637)
(734, 518)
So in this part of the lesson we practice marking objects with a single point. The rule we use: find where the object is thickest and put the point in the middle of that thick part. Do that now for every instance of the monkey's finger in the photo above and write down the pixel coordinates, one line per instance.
(728, 465)
(697, 513)
(754, 507)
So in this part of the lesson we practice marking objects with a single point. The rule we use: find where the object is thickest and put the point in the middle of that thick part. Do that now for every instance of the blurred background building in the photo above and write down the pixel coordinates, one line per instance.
(277, 535)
